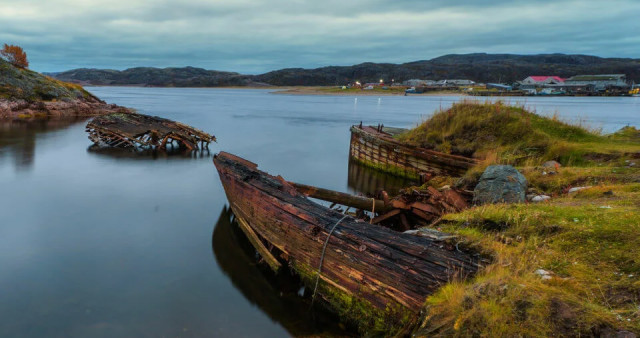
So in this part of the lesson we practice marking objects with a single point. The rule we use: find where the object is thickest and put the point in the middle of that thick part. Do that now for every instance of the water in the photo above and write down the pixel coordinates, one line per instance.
(100, 244)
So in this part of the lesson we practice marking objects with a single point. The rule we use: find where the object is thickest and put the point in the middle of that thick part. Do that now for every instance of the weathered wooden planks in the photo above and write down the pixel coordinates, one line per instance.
(138, 131)
(374, 147)
(363, 264)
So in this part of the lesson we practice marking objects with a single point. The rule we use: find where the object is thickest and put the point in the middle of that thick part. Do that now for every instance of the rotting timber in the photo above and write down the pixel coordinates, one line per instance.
(375, 146)
(370, 274)
(144, 132)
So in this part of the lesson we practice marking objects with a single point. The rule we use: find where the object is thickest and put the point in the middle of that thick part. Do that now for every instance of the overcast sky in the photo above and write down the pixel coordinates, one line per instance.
(252, 36)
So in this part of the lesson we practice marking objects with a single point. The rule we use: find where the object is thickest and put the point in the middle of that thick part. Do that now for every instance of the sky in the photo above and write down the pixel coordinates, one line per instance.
(252, 36)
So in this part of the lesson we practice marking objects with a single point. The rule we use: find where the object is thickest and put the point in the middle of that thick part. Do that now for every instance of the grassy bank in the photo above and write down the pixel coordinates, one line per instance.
(566, 267)
(24, 84)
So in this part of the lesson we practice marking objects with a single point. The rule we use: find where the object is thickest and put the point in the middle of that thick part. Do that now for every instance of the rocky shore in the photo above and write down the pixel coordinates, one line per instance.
(22, 109)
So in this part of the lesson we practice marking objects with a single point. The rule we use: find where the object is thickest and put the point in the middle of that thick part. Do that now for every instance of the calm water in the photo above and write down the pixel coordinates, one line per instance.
(101, 244)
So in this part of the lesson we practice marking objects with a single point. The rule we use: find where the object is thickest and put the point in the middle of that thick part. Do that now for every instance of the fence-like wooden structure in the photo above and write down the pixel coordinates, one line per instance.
(376, 147)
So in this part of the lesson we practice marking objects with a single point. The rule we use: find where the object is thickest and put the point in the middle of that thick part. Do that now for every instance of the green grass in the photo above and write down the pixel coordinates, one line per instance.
(589, 240)
(508, 134)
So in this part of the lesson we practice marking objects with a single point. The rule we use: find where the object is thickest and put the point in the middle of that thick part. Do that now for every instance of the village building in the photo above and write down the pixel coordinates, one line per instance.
(499, 86)
(418, 83)
(541, 81)
(599, 82)
(455, 82)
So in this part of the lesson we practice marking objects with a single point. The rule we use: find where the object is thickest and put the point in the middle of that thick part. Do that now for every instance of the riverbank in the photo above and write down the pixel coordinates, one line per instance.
(564, 259)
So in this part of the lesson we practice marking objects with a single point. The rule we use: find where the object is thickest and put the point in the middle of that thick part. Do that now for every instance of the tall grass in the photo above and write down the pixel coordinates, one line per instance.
(509, 134)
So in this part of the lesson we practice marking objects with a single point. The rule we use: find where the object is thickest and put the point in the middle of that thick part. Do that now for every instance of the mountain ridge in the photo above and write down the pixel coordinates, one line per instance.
(479, 67)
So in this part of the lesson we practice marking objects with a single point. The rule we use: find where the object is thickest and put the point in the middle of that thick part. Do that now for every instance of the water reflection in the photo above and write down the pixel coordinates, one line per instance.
(151, 154)
(368, 181)
(18, 138)
(280, 296)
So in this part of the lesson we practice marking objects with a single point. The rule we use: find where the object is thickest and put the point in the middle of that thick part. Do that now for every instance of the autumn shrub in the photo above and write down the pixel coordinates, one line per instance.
(14, 55)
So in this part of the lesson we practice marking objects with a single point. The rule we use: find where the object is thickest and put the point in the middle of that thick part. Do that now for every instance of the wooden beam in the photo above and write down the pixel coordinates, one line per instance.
(386, 216)
(257, 243)
(349, 200)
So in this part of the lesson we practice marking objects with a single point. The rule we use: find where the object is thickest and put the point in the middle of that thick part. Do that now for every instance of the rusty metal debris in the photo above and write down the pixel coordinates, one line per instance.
(144, 132)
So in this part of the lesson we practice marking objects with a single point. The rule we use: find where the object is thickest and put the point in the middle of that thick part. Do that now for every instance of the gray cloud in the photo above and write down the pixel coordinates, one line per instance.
(253, 36)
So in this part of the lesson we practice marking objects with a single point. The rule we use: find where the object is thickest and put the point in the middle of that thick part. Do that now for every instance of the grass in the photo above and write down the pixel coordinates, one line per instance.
(25, 84)
(513, 135)
(587, 240)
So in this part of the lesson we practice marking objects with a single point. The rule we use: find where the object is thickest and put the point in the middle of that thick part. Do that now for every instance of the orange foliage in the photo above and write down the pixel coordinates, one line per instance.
(14, 55)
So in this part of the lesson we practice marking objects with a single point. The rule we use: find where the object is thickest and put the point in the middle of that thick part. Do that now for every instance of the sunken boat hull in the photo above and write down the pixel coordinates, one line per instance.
(376, 147)
(144, 132)
(369, 273)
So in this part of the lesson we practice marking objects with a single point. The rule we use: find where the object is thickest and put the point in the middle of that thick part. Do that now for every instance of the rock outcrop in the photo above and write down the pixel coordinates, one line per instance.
(500, 184)
(22, 109)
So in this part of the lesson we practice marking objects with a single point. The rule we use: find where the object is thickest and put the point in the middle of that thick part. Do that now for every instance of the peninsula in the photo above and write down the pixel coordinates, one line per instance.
(25, 94)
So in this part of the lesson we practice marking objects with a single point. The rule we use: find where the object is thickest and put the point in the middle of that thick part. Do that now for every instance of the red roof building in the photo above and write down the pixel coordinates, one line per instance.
(542, 80)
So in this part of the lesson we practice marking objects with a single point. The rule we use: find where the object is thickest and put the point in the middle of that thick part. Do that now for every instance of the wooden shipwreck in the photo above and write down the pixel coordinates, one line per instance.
(366, 272)
(375, 146)
(144, 132)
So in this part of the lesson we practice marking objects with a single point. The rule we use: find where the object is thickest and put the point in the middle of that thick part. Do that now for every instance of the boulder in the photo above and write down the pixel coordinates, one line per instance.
(540, 198)
(551, 164)
(500, 184)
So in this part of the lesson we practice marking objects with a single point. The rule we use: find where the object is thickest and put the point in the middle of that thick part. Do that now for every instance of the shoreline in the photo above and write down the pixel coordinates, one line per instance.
(25, 110)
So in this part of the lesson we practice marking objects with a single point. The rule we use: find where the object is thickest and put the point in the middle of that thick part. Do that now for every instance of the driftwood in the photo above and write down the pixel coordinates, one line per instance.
(376, 147)
(138, 131)
(384, 271)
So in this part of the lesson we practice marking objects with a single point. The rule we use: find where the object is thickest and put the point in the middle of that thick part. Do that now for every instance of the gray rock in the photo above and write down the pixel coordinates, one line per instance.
(551, 164)
(500, 184)
(578, 189)
(544, 274)
(540, 198)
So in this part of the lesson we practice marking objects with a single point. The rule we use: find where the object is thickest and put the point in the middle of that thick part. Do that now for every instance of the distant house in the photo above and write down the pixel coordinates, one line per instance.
(599, 82)
(541, 81)
(499, 86)
(418, 83)
(455, 82)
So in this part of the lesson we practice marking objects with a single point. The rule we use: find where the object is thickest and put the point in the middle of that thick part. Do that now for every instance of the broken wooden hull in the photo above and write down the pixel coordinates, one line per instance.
(377, 148)
(368, 273)
(144, 132)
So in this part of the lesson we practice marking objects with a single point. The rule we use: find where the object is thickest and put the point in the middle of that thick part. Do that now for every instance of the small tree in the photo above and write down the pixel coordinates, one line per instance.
(14, 55)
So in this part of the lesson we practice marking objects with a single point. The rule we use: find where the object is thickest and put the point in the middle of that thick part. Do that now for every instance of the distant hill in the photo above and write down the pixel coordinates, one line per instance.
(161, 77)
(479, 67)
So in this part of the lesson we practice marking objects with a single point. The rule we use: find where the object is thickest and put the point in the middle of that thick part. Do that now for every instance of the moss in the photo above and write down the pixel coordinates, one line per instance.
(370, 321)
